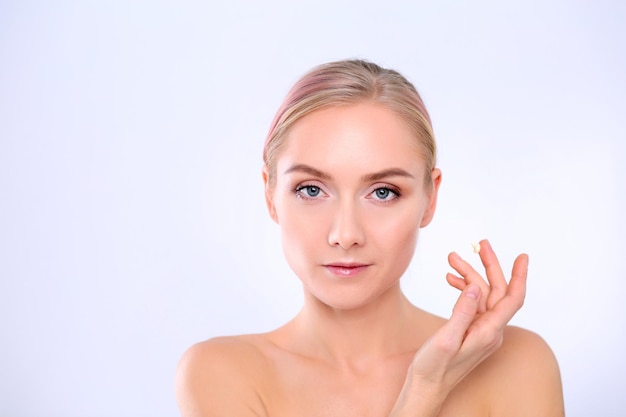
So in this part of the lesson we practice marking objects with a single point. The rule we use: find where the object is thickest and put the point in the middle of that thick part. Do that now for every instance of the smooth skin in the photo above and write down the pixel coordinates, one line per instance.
(350, 197)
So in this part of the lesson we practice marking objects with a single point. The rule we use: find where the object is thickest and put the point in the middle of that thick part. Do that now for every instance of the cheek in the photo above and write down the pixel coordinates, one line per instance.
(302, 229)
(397, 233)
(303, 240)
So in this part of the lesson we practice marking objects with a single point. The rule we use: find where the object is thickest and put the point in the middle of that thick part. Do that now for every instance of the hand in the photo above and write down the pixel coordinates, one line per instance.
(472, 334)
(496, 289)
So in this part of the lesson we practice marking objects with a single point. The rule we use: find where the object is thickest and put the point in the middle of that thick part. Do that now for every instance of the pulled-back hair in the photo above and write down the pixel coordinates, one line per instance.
(351, 82)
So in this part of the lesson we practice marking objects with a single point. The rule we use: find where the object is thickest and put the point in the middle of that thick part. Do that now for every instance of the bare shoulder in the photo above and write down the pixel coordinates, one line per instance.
(524, 377)
(221, 377)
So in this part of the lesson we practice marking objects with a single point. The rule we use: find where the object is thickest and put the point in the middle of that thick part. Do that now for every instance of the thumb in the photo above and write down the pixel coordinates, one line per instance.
(463, 315)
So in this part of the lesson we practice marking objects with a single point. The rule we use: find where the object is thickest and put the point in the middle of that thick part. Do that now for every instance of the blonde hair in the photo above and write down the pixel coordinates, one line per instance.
(350, 82)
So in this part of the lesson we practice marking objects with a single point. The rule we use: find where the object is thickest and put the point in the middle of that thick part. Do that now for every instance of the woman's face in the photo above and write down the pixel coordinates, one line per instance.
(349, 199)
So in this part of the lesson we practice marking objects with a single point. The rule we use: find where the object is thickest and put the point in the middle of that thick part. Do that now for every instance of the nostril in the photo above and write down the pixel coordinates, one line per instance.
(346, 232)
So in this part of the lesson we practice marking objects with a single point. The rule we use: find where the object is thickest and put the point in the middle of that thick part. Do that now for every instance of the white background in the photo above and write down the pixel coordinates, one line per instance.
(132, 221)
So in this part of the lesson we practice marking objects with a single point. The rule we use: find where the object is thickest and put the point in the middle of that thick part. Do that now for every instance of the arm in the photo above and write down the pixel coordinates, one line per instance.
(526, 377)
(474, 332)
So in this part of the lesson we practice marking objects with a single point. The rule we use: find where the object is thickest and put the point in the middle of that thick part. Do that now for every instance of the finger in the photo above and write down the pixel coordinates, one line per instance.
(519, 276)
(456, 282)
(512, 301)
(463, 314)
(497, 281)
(467, 271)
(471, 277)
(516, 290)
(460, 284)
(519, 273)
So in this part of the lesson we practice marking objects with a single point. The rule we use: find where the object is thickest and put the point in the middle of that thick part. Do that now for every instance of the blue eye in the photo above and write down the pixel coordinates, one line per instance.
(385, 194)
(308, 191)
(312, 191)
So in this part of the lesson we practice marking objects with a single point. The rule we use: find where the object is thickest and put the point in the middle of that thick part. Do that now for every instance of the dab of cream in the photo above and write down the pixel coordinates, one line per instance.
(476, 247)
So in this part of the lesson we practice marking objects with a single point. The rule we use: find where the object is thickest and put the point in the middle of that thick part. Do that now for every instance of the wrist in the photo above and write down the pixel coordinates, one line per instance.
(419, 398)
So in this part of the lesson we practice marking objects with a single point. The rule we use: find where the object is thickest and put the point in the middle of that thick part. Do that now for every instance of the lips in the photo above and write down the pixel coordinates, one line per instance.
(348, 269)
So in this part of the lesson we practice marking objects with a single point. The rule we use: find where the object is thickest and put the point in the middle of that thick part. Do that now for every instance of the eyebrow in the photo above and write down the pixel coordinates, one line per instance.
(391, 172)
(376, 176)
(308, 170)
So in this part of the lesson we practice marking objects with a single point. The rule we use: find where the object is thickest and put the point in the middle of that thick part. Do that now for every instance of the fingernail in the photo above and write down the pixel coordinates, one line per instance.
(473, 291)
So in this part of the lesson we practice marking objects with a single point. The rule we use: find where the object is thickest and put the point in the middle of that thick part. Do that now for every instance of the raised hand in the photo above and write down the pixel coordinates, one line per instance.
(473, 333)
(496, 288)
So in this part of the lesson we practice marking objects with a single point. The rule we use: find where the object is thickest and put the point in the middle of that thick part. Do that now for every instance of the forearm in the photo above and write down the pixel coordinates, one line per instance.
(419, 399)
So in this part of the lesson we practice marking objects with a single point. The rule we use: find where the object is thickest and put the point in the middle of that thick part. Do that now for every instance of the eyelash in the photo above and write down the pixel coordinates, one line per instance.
(395, 192)
(301, 192)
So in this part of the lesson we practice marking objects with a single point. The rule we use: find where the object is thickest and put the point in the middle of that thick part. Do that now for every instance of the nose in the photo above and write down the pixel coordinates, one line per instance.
(346, 230)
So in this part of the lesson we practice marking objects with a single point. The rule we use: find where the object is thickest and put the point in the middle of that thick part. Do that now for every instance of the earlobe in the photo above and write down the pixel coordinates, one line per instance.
(269, 198)
(429, 213)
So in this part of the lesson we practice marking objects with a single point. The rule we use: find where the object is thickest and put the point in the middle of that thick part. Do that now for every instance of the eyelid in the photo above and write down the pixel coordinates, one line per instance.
(388, 186)
(309, 183)
(299, 187)
(393, 189)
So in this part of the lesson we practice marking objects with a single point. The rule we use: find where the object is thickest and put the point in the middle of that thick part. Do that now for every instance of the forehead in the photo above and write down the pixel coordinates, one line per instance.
(364, 137)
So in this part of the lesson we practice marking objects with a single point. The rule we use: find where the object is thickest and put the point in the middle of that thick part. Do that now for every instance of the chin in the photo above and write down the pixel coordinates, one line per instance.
(352, 298)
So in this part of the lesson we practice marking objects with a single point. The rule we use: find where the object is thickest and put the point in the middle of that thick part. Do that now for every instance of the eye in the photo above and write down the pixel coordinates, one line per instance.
(385, 194)
(308, 191)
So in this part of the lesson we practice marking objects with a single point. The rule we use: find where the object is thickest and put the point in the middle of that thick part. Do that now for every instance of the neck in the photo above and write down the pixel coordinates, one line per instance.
(379, 329)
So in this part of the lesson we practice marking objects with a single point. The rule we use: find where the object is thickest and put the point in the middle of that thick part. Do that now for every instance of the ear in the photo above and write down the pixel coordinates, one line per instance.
(429, 213)
(269, 194)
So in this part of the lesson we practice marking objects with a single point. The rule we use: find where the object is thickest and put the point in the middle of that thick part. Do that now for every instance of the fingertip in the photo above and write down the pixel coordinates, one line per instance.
(484, 244)
(454, 260)
(522, 260)
(472, 291)
(456, 282)
(526, 257)
(465, 309)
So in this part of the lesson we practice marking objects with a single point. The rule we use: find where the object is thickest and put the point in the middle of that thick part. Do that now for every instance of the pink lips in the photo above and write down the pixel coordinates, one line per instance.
(345, 269)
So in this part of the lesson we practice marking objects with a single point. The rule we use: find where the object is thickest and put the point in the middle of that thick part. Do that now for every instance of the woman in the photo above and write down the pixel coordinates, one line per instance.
(350, 178)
